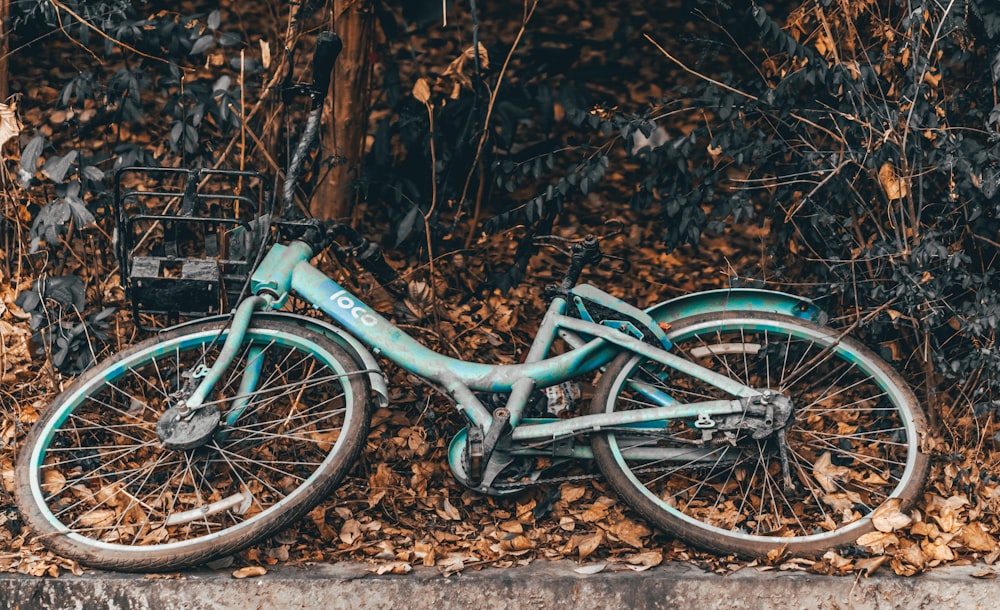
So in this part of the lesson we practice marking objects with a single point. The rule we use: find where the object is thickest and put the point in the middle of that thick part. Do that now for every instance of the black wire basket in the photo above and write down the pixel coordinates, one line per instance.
(186, 240)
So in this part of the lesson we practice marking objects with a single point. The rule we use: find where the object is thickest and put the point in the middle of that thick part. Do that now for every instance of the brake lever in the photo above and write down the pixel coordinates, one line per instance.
(618, 223)
(626, 266)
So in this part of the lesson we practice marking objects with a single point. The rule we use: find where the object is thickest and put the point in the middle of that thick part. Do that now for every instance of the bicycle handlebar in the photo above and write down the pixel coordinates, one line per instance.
(328, 47)
(584, 253)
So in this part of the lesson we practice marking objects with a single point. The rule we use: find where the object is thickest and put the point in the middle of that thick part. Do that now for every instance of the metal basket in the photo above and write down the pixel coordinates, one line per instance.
(185, 239)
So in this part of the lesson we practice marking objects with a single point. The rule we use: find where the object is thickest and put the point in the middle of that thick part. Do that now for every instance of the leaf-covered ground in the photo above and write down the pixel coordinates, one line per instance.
(400, 507)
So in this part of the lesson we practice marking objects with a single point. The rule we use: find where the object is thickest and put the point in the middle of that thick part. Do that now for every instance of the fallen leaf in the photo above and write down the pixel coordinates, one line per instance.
(97, 518)
(512, 527)
(870, 564)
(888, 517)
(589, 544)
(517, 543)
(250, 572)
(590, 568)
(10, 126)
(570, 493)
(876, 542)
(630, 532)
(978, 539)
(450, 510)
(938, 551)
(645, 560)
(393, 567)
(350, 532)
(826, 474)
(595, 512)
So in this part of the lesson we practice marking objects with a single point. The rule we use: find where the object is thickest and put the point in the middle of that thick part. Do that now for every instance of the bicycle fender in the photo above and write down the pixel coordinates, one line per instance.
(361, 354)
(737, 299)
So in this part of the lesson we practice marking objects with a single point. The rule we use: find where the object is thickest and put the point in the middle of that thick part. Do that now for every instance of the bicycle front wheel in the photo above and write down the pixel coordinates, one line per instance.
(851, 441)
(100, 481)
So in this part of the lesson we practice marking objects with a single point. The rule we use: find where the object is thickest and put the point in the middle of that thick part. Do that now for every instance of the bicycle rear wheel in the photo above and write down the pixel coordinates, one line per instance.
(101, 484)
(852, 438)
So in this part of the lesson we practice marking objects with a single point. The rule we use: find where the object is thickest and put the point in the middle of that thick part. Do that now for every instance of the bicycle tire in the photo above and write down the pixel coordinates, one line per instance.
(97, 484)
(853, 439)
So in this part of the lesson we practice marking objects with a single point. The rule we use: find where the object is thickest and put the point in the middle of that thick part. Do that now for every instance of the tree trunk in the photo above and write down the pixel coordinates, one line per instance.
(4, 49)
(346, 112)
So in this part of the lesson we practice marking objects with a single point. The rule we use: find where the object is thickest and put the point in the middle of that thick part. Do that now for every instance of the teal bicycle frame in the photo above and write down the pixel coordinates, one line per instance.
(287, 268)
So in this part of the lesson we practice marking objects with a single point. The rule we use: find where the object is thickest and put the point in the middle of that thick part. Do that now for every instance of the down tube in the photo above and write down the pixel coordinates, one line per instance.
(387, 340)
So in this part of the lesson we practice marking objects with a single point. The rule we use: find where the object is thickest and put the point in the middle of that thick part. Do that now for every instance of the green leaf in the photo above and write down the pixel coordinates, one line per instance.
(203, 44)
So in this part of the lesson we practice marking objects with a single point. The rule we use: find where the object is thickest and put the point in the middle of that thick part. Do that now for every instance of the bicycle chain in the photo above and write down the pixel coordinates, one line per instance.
(591, 477)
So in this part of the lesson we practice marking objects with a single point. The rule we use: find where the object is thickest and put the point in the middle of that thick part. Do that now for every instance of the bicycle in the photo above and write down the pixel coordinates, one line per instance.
(732, 419)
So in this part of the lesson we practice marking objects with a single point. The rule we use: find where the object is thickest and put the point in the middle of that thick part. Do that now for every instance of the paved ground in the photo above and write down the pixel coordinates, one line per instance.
(540, 585)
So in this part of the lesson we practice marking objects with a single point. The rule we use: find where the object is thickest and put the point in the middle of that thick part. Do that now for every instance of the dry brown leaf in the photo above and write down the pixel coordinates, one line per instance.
(595, 512)
(976, 538)
(526, 512)
(947, 520)
(937, 551)
(630, 532)
(894, 186)
(422, 91)
(843, 503)
(837, 561)
(97, 518)
(10, 126)
(448, 511)
(393, 567)
(350, 532)
(53, 481)
(923, 528)
(876, 542)
(571, 493)
(826, 474)
(646, 559)
(517, 543)
(589, 544)
(456, 562)
(590, 568)
(888, 517)
(868, 565)
(512, 527)
(250, 572)
(318, 517)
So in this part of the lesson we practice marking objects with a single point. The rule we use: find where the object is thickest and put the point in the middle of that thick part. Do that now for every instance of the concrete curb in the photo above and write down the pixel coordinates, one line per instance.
(540, 585)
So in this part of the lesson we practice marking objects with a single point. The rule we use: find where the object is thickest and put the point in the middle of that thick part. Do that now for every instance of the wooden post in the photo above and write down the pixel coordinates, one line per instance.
(4, 49)
(346, 112)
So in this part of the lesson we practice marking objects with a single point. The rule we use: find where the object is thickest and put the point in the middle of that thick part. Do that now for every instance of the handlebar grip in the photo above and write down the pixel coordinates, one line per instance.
(328, 47)
(584, 253)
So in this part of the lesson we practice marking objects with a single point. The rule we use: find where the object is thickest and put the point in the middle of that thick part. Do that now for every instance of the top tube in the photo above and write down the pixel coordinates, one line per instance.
(388, 340)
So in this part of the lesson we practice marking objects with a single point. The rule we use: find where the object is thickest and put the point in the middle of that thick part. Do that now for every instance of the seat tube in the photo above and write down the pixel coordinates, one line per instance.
(522, 388)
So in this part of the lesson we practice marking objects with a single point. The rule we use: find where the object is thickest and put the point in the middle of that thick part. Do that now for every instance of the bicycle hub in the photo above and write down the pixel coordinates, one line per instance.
(182, 429)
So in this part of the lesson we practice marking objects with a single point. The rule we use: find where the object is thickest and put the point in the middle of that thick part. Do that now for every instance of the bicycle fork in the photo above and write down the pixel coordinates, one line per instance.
(192, 422)
(230, 349)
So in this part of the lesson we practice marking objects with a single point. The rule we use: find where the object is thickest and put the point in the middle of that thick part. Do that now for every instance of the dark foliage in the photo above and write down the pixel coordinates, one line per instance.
(864, 134)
